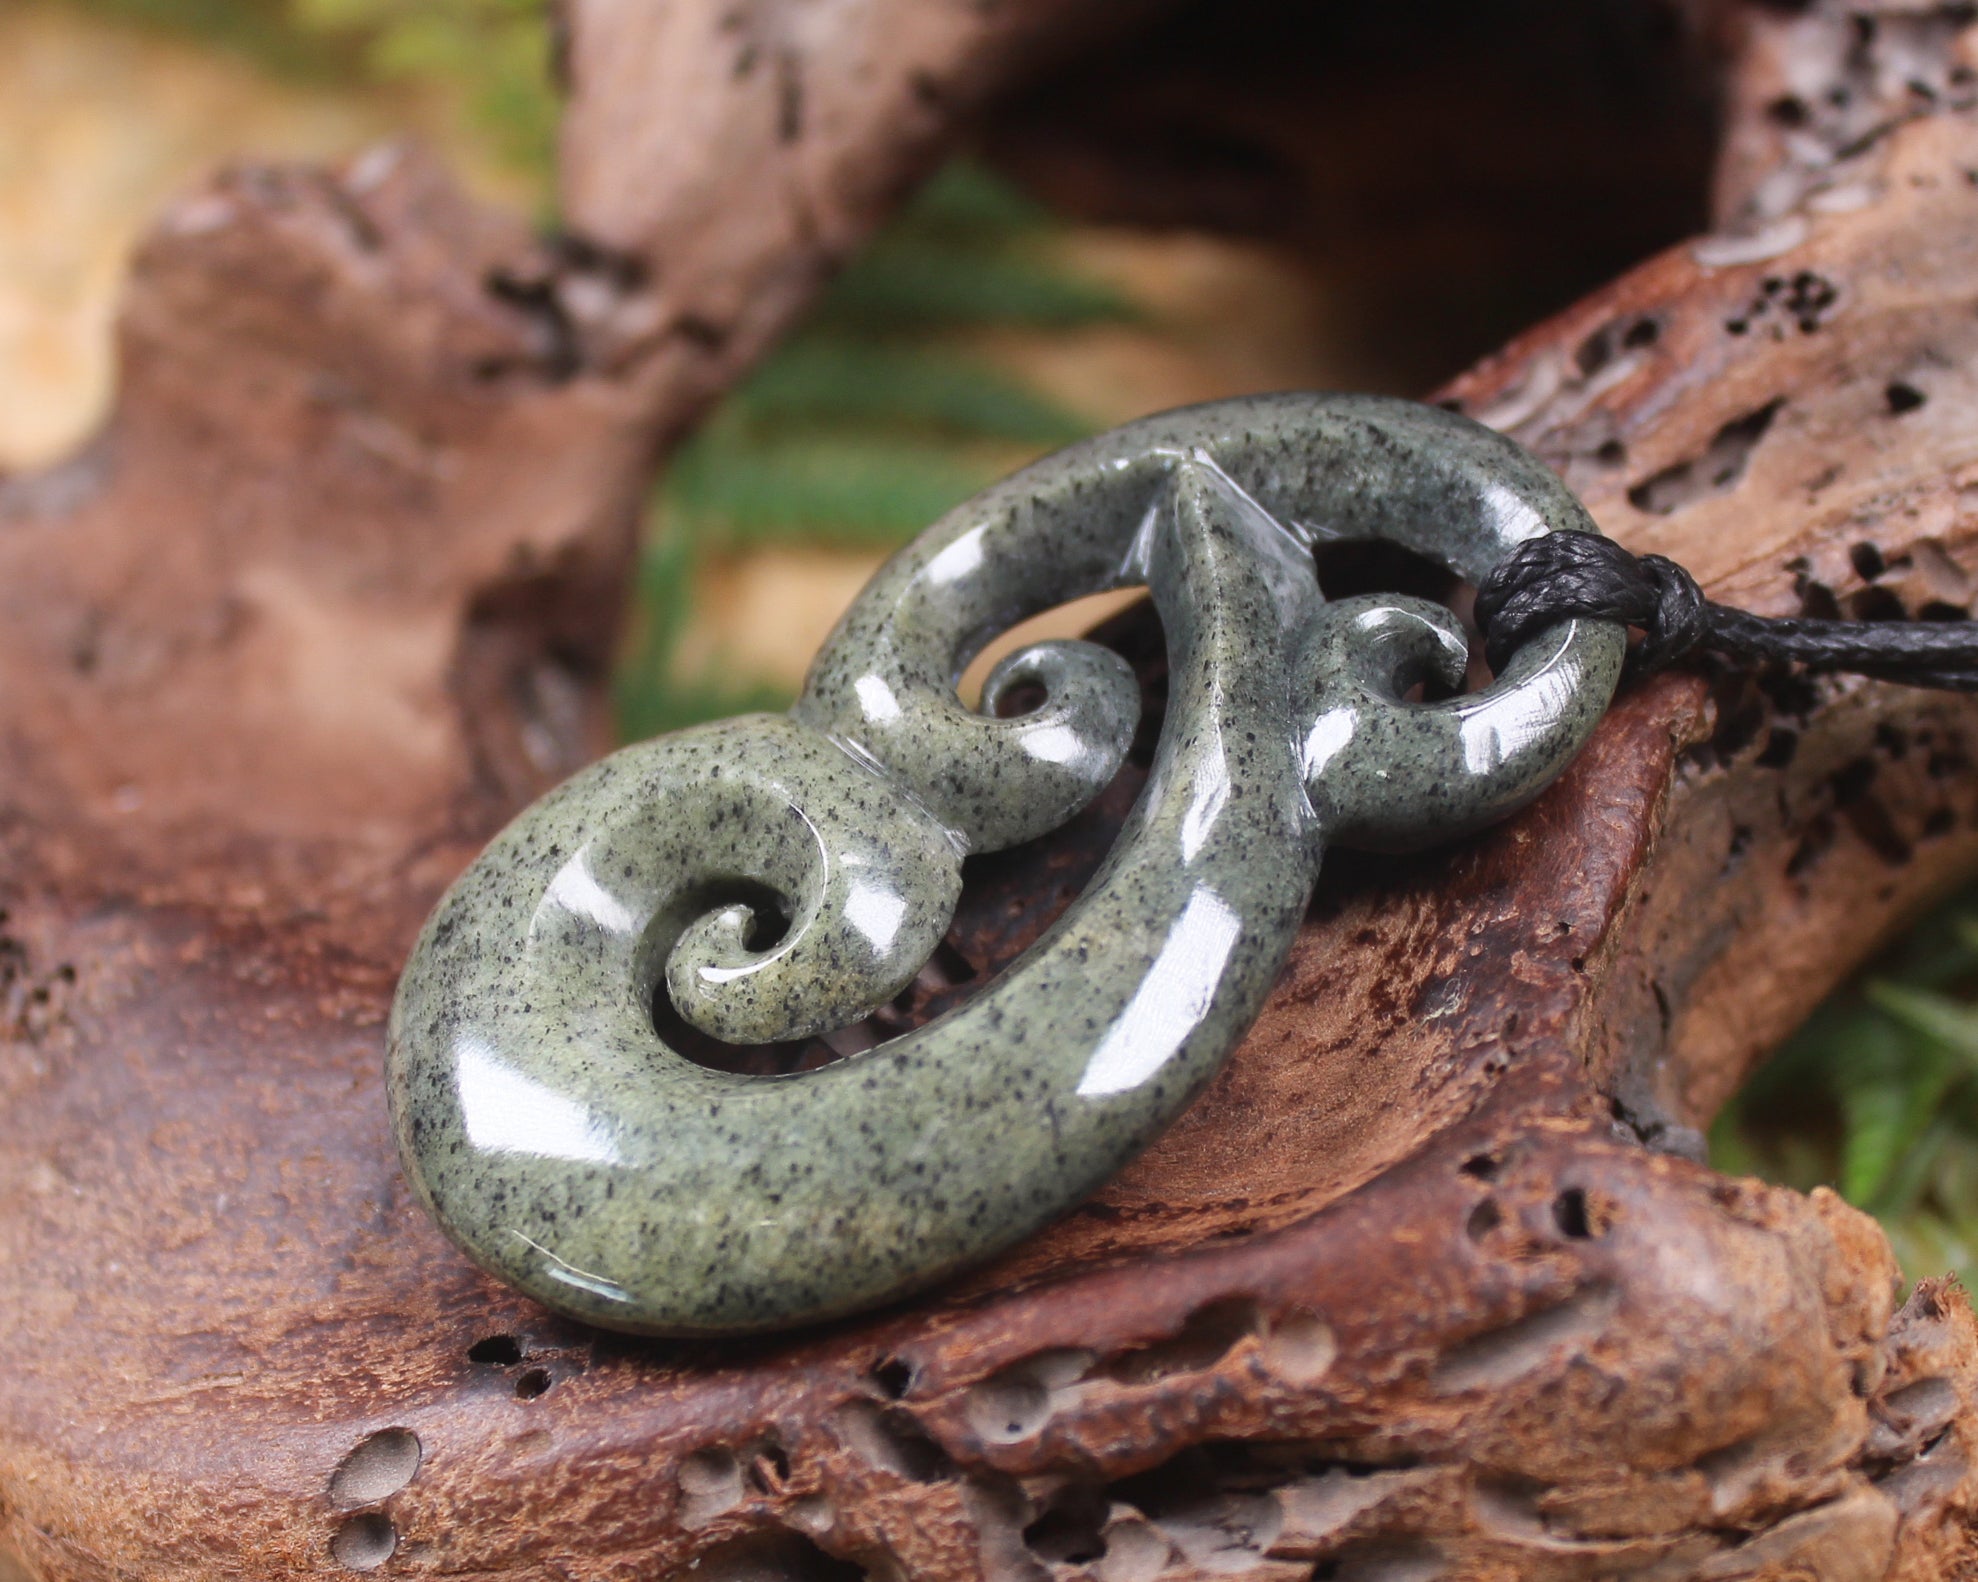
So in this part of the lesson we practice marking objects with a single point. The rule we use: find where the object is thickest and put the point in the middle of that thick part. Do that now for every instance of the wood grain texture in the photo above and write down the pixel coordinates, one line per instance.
(1430, 1283)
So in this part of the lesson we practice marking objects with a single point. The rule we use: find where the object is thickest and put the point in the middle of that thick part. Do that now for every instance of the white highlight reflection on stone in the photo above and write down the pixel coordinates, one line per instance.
(878, 700)
(506, 1112)
(576, 889)
(1330, 733)
(1170, 1002)
(960, 558)
(1514, 517)
(1497, 729)
(1055, 744)
(1211, 796)
(875, 913)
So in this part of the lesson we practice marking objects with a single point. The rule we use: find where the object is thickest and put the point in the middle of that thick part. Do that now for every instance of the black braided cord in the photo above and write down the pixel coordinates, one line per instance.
(1546, 580)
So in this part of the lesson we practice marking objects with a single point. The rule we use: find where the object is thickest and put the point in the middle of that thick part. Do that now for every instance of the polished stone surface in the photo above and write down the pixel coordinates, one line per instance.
(568, 1150)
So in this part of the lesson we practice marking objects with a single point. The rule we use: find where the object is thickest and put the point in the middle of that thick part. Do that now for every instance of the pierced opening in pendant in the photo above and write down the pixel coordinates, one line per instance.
(1074, 618)
(1348, 568)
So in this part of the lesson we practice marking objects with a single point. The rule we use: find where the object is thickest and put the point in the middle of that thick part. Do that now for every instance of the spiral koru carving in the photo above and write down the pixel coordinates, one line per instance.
(569, 1150)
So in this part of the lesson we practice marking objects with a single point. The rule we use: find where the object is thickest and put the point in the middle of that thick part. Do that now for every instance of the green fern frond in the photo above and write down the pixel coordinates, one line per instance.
(1933, 1242)
(261, 31)
(855, 490)
(837, 381)
(648, 698)
(495, 52)
(965, 201)
(1878, 1096)
(908, 282)
(872, 423)
(1942, 1021)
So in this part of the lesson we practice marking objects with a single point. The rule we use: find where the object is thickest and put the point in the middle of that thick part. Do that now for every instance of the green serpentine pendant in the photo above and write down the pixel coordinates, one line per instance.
(571, 1152)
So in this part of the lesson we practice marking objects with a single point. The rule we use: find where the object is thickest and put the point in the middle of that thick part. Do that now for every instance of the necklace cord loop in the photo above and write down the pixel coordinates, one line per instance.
(1571, 574)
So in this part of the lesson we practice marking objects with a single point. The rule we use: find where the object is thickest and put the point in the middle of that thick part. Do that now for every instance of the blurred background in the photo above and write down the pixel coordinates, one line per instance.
(1087, 263)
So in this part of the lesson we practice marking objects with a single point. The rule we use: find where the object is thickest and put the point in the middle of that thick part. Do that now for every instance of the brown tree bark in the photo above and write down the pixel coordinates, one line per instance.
(1430, 1283)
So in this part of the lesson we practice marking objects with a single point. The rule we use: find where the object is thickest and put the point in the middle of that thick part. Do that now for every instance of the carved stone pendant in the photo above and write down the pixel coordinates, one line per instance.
(569, 1150)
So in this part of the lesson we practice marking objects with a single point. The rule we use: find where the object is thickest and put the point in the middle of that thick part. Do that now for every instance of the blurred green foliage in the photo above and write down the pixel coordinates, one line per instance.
(492, 57)
(872, 421)
(265, 31)
(1877, 1096)
(494, 53)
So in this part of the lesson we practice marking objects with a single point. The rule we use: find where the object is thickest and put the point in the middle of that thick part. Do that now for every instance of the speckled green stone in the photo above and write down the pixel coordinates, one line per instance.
(568, 1150)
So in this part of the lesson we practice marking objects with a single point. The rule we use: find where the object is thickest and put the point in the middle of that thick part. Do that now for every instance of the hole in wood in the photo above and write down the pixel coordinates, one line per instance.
(1299, 1347)
(893, 1376)
(364, 1542)
(379, 1466)
(892, 1439)
(1493, 1359)
(496, 1350)
(710, 1485)
(1012, 1405)
(1569, 1213)
(1903, 397)
(1203, 1341)
(1070, 1532)
(1718, 469)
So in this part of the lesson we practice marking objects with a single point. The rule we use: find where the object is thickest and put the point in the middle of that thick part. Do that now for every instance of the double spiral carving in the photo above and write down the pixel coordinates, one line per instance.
(570, 1151)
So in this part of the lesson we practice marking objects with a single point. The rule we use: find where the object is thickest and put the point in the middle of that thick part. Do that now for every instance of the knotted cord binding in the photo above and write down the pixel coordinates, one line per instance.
(1575, 574)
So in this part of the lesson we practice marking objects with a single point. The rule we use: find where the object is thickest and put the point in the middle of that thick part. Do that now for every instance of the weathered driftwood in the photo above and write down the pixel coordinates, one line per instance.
(1429, 1284)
